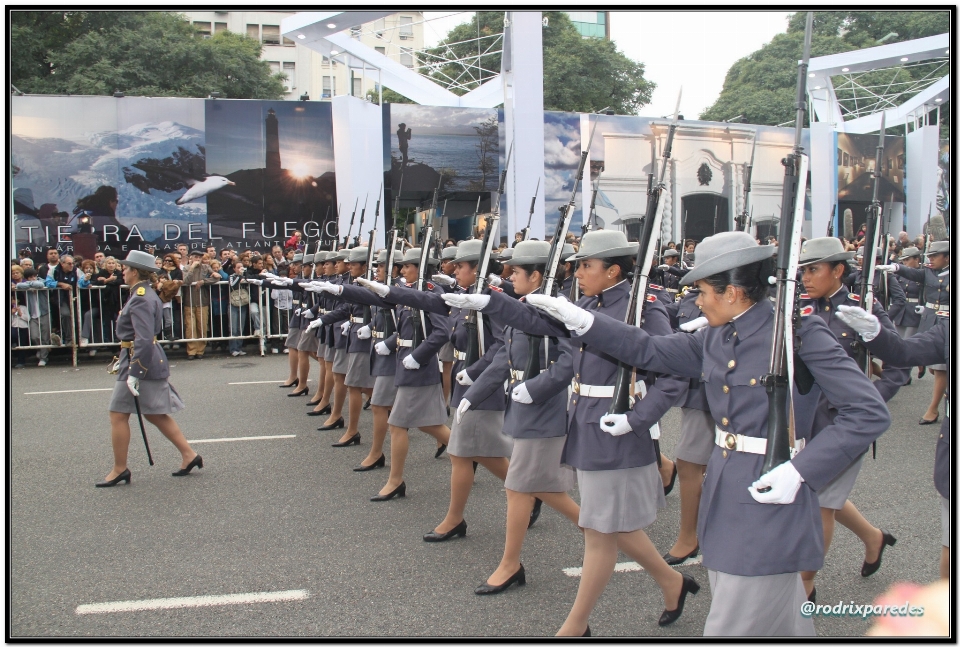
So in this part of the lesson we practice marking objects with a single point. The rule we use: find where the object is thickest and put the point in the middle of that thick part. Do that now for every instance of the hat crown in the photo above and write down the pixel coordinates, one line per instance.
(141, 260)
(531, 249)
(670, 253)
(594, 242)
(412, 255)
(469, 248)
(358, 255)
(910, 252)
(939, 247)
(449, 253)
(820, 248)
(723, 243)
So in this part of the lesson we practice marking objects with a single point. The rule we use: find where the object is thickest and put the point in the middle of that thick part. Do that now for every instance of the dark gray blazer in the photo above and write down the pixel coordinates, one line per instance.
(426, 353)
(681, 312)
(912, 292)
(936, 289)
(140, 321)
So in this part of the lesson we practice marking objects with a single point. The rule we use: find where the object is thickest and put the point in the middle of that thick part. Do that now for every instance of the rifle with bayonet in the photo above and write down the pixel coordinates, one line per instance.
(420, 331)
(356, 239)
(390, 323)
(623, 386)
(533, 203)
(371, 255)
(747, 177)
(474, 325)
(346, 239)
(779, 380)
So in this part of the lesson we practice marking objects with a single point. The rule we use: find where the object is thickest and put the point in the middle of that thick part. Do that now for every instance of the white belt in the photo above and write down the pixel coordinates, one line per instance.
(405, 343)
(672, 291)
(323, 312)
(458, 355)
(356, 320)
(913, 300)
(518, 375)
(588, 391)
(749, 444)
(377, 335)
(937, 306)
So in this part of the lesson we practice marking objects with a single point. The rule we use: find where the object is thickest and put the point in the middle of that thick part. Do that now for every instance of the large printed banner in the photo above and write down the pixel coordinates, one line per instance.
(152, 172)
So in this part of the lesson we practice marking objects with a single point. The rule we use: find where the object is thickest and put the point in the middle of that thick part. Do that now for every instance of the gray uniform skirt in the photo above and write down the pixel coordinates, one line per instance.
(358, 371)
(340, 361)
(329, 353)
(309, 342)
(620, 500)
(835, 493)
(763, 605)
(535, 466)
(446, 352)
(293, 338)
(945, 521)
(418, 406)
(156, 397)
(697, 436)
(479, 433)
(384, 391)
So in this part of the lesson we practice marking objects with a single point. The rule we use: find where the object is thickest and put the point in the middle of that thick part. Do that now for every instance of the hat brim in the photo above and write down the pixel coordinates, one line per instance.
(728, 261)
(525, 260)
(629, 250)
(833, 258)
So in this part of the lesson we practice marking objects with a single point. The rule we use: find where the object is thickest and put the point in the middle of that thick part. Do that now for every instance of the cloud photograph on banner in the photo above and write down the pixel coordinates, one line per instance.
(561, 158)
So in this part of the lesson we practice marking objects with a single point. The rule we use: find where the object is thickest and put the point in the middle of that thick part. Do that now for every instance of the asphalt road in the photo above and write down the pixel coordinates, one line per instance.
(289, 514)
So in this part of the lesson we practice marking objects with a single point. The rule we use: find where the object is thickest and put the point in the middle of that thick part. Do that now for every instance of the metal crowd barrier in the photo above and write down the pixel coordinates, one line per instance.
(49, 317)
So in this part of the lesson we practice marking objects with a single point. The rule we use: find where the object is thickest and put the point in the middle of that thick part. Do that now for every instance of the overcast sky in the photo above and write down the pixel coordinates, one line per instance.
(689, 48)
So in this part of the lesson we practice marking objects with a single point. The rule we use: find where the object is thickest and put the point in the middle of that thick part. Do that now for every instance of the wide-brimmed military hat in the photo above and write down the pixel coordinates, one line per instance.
(530, 252)
(823, 250)
(339, 255)
(671, 253)
(297, 258)
(320, 257)
(910, 252)
(567, 252)
(725, 251)
(939, 247)
(504, 255)
(397, 257)
(141, 261)
(468, 250)
(412, 256)
(448, 253)
(358, 255)
(604, 244)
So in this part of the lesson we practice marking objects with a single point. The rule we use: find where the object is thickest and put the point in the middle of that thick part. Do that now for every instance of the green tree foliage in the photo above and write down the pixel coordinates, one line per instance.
(152, 53)
(762, 86)
(579, 74)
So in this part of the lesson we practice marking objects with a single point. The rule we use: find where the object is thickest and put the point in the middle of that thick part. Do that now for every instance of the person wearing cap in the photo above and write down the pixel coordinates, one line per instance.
(307, 342)
(476, 435)
(336, 320)
(823, 265)
(419, 399)
(929, 347)
(334, 392)
(620, 484)
(196, 302)
(567, 268)
(935, 279)
(142, 373)
(888, 293)
(755, 539)
(908, 319)
(300, 268)
(669, 272)
(689, 249)
(293, 321)
(535, 417)
(320, 307)
(447, 283)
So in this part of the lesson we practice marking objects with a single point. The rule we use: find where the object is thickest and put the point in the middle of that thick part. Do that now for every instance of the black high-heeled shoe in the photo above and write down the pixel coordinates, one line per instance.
(196, 462)
(297, 394)
(366, 405)
(869, 568)
(460, 530)
(813, 596)
(352, 440)
(535, 513)
(323, 412)
(520, 577)
(336, 424)
(440, 450)
(586, 634)
(400, 490)
(668, 488)
(676, 561)
(380, 462)
(669, 617)
(122, 476)
(296, 382)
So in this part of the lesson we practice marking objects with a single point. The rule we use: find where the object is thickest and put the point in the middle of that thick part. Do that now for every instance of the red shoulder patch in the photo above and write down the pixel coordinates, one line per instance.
(854, 297)
(806, 311)
(651, 298)
(493, 287)
(429, 285)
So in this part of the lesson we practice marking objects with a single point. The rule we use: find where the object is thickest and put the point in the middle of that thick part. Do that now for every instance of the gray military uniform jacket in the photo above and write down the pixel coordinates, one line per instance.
(909, 317)
(680, 312)
(140, 321)
(426, 353)
(380, 365)
(738, 535)
(936, 291)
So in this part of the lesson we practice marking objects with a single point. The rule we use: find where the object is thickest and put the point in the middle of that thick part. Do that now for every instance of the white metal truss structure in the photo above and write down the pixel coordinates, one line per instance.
(861, 102)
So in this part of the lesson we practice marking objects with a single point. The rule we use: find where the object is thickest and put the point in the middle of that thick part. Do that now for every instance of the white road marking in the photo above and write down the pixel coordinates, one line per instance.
(627, 567)
(196, 601)
(71, 391)
(230, 440)
(261, 382)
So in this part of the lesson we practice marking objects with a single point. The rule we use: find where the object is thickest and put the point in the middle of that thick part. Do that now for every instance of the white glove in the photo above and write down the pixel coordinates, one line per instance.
(865, 323)
(663, 268)
(410, 364)
(381, 348)
(270, 275)
(784, 481)
(402, 281)
(892, 267)
(379, 289)
(466, 301)
(133, 383)
(316, 323)
(573, 317)
(281, 282)
(462, 409)
(345, 327)
(313, 286)
(615, 424)
(918, 310)
(494, 280)
(694, 324)
(521, 394)
(307, 314)
(331, 288)
(443, 279)
(364, 332)
(296, 313)
(463, 378)
(255, 281)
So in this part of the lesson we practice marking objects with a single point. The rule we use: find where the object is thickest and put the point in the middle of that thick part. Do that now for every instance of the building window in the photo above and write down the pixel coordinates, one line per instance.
(203, 28)
(253, 31)
(329, 86)
(355, 32)
(406, 57)
(381, 50)
(290, 69)
(271, 35)
(219, 27)
(357, 86)
(406, 27)
(274, 67)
